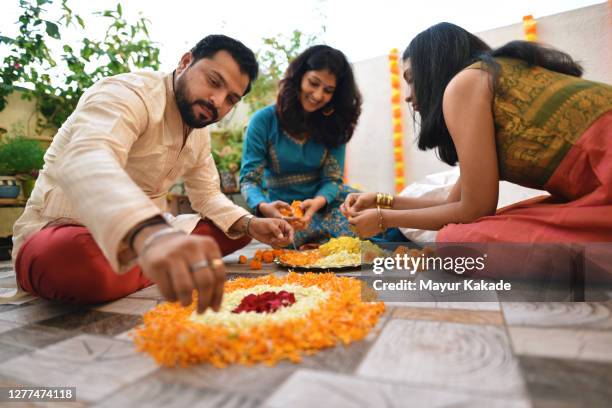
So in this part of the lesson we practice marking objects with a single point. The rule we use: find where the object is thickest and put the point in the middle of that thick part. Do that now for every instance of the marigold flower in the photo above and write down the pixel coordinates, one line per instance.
(172, 338)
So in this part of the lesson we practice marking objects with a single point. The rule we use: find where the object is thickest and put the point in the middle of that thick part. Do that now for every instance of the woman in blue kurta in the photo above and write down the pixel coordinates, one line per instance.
(294, 150)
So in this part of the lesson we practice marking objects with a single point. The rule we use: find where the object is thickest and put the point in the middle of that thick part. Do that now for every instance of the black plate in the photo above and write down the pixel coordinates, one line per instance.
(317, 268)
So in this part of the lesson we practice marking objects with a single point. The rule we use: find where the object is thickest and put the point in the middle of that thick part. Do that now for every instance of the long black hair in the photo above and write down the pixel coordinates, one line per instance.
(443, 50)
(336, 128)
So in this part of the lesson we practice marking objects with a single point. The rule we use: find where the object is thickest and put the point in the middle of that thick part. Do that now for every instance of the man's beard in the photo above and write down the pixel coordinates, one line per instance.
(185, 106)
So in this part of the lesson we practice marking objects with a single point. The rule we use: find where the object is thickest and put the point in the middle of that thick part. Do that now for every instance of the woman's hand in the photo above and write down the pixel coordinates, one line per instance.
(356, 202)
(310, 207)
(272, 210)
(366, 223)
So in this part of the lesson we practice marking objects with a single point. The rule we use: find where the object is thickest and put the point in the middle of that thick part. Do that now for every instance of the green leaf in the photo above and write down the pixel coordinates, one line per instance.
(6, 40)
(81, 22)
(52, 30)
(119, 10)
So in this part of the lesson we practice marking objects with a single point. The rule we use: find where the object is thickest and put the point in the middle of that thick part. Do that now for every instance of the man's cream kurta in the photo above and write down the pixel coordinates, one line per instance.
(111, 164)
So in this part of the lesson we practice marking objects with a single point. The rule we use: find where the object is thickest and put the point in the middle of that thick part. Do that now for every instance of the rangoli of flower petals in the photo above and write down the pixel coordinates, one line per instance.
(327, 311)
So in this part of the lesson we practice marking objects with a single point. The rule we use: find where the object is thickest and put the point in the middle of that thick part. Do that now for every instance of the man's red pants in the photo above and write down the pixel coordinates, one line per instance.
(65, 263)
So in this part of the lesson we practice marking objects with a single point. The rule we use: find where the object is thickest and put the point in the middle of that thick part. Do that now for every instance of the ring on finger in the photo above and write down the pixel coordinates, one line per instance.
(217, 263)
(199, 265)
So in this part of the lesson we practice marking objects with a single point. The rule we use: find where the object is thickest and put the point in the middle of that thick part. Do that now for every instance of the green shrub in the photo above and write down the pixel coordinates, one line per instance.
(21, 156)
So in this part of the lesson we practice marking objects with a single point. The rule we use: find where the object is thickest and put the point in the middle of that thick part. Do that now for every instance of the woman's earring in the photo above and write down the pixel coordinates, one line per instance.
(328, 111)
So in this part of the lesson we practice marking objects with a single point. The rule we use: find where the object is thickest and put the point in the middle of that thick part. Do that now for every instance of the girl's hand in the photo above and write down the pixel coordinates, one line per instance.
(310, 207)
(365, 223)
(356, 202)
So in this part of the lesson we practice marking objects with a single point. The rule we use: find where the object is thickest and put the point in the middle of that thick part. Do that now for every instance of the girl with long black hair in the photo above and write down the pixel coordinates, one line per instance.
(519, 113)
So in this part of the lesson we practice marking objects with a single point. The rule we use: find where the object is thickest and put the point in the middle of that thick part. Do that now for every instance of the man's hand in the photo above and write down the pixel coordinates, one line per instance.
(356, 202)
(273, 231)
(310, 207)
(168, 261)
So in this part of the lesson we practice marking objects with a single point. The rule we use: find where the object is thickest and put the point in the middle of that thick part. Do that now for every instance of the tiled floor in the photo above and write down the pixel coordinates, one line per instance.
(422, 354)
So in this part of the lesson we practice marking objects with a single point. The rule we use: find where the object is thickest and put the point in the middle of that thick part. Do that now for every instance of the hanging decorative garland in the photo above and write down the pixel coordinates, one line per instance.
(529, 25)
(398, 127)
(261, 320)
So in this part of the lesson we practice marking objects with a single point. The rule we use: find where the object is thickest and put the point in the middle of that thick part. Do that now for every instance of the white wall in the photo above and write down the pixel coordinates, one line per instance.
(586, 34)
(370, 151)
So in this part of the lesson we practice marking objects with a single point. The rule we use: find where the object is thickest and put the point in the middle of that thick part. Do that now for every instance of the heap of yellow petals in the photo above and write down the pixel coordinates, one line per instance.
(172, 338)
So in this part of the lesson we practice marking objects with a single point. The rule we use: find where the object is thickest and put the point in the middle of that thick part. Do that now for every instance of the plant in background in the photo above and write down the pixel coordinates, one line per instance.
(273, 59)
(227, 153)
(57, 85)
(20, 156)
(227, 149)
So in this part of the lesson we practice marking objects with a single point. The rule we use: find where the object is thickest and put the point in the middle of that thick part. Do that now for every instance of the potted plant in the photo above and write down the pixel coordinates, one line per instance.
(20, 160)
(227, 153)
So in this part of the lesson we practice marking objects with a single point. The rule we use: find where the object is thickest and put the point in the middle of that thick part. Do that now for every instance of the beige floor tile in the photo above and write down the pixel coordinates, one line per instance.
(591, 315)
(151, 292)
(449, 315)
(133, 306)
(577, 344)
(36, 312)
(475, 358)
(308, 388)
(556, 382)
(6, 326)
(257, 381)
(96, 366)
(154, 392)
(490, 306)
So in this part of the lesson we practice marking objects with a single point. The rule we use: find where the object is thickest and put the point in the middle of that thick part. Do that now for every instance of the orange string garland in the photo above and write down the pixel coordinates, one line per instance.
(396, 114)
(530, 28)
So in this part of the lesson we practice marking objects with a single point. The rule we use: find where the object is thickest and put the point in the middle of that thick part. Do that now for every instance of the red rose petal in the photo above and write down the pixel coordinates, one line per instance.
(267, 302)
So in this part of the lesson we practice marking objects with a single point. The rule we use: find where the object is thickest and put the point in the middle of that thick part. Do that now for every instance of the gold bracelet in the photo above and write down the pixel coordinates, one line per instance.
(384, 200)
(381, 223)
(389, 200)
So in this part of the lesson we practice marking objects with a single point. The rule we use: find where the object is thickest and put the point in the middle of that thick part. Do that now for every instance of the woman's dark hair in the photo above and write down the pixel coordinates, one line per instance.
(443, 50)
(208, 46)
(332, 130)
